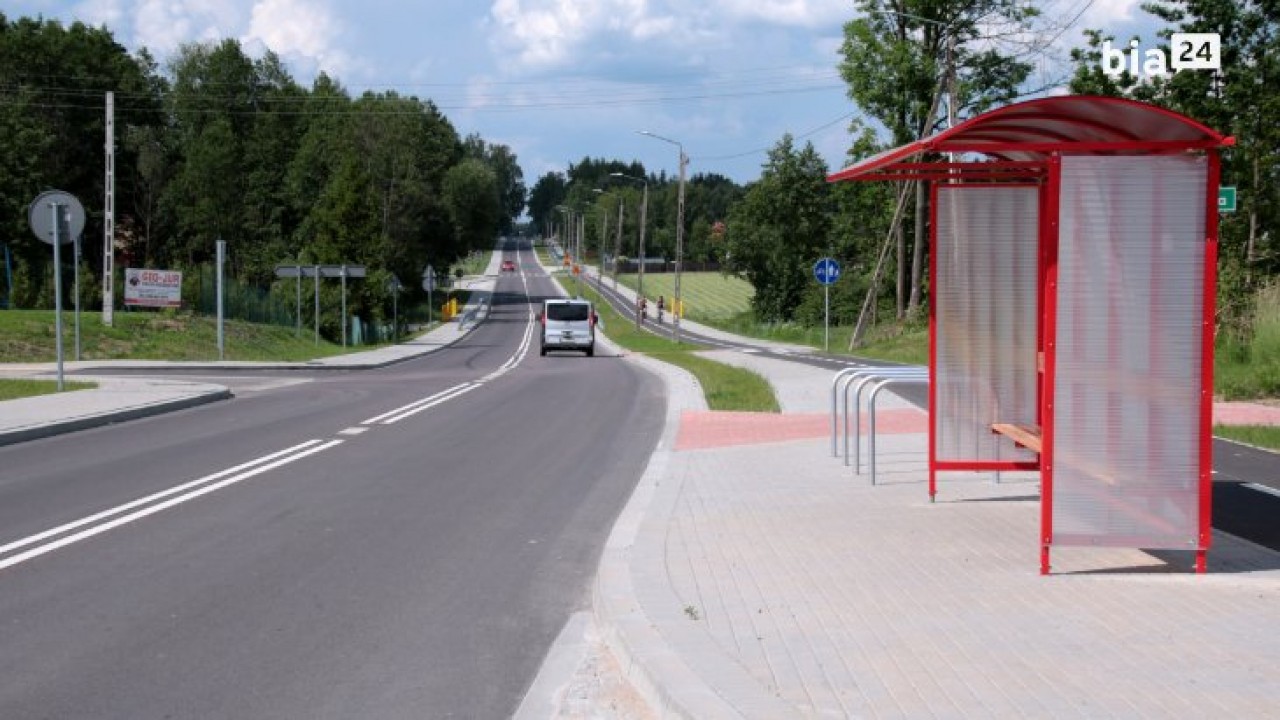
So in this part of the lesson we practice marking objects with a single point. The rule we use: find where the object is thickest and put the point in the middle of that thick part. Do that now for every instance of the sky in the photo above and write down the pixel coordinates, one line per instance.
(560, 80)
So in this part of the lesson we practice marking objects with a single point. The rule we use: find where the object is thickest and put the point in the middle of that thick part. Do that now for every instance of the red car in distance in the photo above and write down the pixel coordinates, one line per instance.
(508, 266)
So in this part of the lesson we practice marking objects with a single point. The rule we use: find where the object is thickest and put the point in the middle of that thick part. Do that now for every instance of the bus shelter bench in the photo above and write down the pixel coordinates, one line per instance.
(1027, 436)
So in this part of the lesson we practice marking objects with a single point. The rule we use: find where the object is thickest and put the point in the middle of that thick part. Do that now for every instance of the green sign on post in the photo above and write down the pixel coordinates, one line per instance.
(1226, 199)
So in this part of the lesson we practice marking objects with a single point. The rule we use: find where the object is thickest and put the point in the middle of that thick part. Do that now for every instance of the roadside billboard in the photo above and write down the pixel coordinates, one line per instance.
(152, 288)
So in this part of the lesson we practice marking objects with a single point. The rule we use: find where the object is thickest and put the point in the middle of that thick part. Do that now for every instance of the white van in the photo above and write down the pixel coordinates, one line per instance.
(568, 325)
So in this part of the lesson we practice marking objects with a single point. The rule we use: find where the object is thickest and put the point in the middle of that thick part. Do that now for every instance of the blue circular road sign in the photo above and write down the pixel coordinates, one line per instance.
(827, 271)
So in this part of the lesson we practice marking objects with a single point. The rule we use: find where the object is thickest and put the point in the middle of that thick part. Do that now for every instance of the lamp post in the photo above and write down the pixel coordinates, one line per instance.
(604, 233)
(566, 243)
(676, 307)
(644, 210)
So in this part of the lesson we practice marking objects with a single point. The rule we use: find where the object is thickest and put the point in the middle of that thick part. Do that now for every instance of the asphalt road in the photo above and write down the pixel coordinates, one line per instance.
(337, 548)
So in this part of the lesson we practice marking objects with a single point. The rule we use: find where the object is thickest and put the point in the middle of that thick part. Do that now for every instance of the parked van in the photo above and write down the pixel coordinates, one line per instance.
(568, 325)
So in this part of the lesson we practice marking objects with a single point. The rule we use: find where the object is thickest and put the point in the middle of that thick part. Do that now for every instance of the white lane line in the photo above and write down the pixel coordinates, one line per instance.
(439, 400)
(353, 431)
(151, 498)
(410, 406)
(1263, 488)
(124, 520)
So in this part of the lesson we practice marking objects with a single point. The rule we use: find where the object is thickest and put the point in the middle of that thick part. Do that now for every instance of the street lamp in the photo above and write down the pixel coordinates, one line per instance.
(676, 305)
(560, 236)
(644, 209)
(604, 233)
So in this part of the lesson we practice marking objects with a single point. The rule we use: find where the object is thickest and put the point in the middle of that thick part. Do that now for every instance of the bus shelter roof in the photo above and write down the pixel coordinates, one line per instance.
(1031, 131)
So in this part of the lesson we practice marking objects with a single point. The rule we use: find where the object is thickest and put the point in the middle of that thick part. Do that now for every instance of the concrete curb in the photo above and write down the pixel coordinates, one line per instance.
(636, 608)
(160, 407)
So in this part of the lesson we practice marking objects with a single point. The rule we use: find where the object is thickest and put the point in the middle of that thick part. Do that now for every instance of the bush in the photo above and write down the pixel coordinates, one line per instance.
(1248, 360)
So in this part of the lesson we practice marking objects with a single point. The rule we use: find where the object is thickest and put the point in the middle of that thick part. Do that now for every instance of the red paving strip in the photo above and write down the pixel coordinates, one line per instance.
(1245, 413)
(705, 430)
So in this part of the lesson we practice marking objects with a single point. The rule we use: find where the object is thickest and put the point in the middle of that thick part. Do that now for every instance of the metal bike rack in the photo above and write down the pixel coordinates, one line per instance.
(856, 380)
(840, 389)
(871, 411)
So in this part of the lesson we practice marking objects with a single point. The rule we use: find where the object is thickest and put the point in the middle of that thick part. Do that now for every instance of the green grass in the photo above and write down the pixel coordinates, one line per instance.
(888, 342)
(708, 296)
(1247, 366)
(28, 336)
(473, 264)
(12, 389)
(726, 388)
(1265, 436)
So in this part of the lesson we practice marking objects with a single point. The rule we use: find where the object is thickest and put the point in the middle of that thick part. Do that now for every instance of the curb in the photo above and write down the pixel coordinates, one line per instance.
(688, 682)
(14, 437)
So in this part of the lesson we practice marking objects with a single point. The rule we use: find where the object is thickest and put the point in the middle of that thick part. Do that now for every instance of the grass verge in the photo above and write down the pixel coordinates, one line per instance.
(890, 343)
(28, 336)
(726, 388)
(707, 296)
(12, 389)
(1263, 436)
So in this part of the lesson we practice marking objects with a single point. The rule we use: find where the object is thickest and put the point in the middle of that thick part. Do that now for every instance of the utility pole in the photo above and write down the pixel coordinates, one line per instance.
(677, 307)
(617, 246)
(684, 162)
(109, 215)
(644, 211)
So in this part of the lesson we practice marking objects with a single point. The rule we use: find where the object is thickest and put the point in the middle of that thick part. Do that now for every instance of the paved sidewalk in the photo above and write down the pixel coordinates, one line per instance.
(758, 577)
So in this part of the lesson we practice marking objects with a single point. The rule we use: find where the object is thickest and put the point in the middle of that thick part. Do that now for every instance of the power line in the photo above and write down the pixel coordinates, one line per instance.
(569, 103)
(757, 151)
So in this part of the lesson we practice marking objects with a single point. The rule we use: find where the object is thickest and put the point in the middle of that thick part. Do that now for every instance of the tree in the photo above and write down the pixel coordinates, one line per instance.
(897, 61)
(52, 129)
(472, 195)
(547, 193)
(780, 228)
(510, 177)
(212, 100)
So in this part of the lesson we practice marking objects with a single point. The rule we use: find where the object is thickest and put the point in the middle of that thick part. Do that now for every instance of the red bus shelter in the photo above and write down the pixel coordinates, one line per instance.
(1071, 313)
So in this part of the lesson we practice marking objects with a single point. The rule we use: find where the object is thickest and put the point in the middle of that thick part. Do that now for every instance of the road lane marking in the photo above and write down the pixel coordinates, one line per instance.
(380, 418)
(5, 549)
(310, 449)
(353, 431)
(1263, 488)
(438, 399)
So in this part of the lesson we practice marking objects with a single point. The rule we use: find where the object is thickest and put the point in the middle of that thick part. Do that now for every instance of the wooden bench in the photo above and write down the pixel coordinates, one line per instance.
(1027, 436)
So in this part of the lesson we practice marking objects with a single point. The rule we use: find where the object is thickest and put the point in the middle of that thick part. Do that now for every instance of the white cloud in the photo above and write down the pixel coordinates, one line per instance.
(803, 13)
(162, 25)
(298, 29)
(101, 12)
(1111, 11)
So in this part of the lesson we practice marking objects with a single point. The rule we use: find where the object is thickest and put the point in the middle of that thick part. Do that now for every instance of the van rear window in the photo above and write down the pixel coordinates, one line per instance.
(567, 312)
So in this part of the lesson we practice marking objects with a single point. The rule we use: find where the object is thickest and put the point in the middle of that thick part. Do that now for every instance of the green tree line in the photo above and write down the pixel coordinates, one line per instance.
(218, 145)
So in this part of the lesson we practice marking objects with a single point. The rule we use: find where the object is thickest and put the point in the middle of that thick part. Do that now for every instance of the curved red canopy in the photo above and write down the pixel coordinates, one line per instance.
(1079, 124)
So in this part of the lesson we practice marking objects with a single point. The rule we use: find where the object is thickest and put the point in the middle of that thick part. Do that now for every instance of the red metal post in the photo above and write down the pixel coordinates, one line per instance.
(1206, 361)
(933, 342)
(1050, 325)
